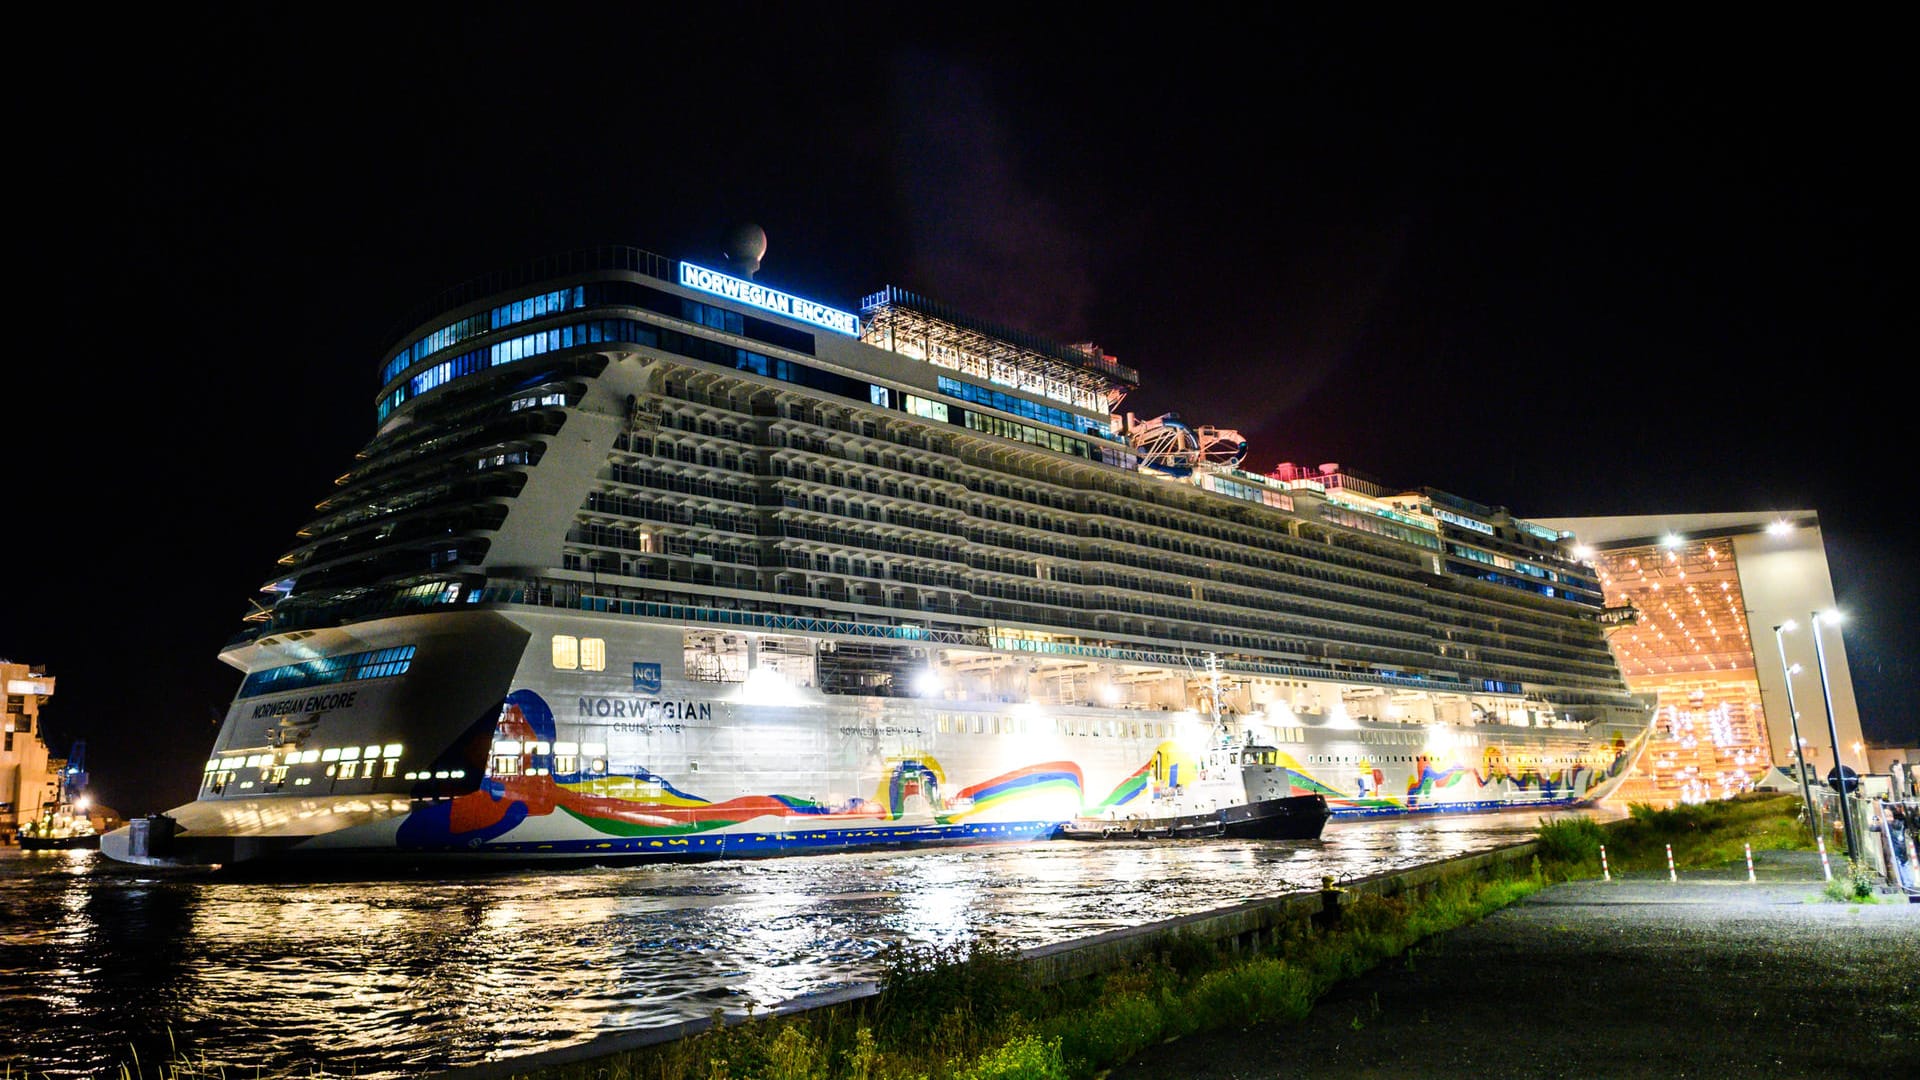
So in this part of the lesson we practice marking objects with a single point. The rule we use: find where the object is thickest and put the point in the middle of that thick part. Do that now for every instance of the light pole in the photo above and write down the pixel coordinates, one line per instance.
(1793, 718)
(1833, 731)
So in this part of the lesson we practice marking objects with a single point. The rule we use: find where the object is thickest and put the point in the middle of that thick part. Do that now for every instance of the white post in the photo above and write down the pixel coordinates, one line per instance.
(1750, 876)
(1605, 874)
(1824, 867)
(1671, 875)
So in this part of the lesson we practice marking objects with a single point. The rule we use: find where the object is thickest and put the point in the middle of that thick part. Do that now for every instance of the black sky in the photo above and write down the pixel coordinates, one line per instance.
(1568, 265)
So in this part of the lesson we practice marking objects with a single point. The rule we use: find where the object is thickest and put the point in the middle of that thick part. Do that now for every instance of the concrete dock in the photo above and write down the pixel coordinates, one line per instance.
(1712, 976)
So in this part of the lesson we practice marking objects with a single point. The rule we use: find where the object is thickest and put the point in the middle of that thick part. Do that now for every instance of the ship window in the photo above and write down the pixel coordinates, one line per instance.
(506, 764)
(593, 654)
(350, 753)
(391, 750)
(566, 652)
(308, 757)
(565, 763)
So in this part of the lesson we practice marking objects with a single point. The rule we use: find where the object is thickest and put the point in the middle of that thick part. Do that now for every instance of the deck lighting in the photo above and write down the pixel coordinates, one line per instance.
(1779, 528)
(765, 686)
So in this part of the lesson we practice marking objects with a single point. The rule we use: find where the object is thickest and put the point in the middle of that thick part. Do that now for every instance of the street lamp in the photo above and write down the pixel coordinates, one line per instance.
(1793, 718)
(1833, 731)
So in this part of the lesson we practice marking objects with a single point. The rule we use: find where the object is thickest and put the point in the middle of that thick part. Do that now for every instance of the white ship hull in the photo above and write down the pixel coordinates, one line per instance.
(584, 765)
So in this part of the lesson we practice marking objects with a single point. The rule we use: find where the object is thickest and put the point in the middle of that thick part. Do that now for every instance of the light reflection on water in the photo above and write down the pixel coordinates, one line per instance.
(397, 978)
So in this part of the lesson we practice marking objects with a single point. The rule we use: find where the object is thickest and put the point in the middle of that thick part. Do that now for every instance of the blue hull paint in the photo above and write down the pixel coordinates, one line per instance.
(740, 845)
(1477, 806)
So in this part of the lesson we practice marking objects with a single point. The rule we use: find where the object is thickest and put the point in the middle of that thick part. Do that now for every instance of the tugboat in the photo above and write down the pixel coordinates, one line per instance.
(63, 824)
(1241, 793)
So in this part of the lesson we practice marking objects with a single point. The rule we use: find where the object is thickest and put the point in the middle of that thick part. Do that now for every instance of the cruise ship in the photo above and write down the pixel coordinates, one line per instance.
(648, 559)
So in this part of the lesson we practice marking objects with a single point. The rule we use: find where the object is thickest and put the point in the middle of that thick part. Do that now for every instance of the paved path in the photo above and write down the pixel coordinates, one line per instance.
(1639, 977)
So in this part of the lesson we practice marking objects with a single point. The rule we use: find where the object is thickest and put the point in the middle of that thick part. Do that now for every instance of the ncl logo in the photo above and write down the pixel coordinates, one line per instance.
(646, 678)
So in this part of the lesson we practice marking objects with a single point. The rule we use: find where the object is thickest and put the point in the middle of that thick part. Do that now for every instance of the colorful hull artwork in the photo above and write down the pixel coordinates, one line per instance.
(538, 812)
(1439, 786)
(541, 813)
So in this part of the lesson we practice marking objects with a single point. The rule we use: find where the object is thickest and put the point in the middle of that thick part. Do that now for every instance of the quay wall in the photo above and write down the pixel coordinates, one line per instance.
(1248, 925)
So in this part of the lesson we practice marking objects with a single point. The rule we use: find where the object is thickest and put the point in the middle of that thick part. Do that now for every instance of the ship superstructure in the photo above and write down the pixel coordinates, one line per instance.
(647, 559)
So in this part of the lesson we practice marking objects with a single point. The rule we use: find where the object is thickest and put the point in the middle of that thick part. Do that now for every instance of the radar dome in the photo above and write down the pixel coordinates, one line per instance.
(746, 246)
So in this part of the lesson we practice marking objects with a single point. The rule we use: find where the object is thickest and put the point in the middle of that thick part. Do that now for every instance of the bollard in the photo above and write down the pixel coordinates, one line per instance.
(1605, 874)
(1671, 876)
(1750, 876)
(1824, 868)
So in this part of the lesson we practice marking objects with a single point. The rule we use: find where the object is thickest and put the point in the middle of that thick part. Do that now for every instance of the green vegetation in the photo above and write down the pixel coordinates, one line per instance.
(1852, 883)
(1702, 834)
(179, 1066)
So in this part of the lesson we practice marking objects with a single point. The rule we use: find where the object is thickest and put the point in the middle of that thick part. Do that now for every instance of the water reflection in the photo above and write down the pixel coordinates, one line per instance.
(385, 979)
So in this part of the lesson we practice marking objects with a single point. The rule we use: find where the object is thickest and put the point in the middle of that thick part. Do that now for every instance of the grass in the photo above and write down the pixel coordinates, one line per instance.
(1853, 883)
(179, 1065)
(1701, 834)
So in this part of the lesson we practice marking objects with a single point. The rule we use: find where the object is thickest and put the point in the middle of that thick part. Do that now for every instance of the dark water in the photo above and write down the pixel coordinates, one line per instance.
(376, 979)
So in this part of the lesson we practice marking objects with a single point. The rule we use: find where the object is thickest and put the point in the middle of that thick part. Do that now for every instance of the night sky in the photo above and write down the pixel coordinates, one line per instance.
(1570, 267)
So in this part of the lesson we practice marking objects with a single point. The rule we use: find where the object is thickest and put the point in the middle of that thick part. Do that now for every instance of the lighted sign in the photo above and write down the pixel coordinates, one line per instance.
(746, 292)
(42, 686)
(1463, 522)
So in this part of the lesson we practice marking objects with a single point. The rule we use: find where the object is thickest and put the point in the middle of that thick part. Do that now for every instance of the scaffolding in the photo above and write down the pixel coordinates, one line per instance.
(912, 325)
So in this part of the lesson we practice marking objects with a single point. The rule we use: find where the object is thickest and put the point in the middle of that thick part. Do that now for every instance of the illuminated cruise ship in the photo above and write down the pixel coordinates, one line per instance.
(650, 560)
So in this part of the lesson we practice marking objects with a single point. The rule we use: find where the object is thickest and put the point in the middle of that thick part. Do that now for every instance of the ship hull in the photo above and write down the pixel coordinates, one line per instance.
(525, 764)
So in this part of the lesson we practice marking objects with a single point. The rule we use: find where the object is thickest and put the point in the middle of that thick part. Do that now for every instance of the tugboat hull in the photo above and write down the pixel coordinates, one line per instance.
(1296, 817)
(58, 843)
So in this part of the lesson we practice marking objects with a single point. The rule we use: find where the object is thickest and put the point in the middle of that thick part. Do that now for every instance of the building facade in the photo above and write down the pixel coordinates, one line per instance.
(1708, 606)
(27, 779)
